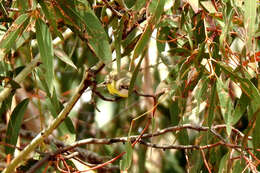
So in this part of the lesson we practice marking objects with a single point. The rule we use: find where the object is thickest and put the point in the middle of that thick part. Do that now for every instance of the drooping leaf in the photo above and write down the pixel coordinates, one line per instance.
(14, 125)
(162, 36)
(44, 40)
(200, 92)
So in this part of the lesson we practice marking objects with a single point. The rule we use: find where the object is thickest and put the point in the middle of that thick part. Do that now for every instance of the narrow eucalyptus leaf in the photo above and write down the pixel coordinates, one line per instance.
(44, 40)
(14, 125)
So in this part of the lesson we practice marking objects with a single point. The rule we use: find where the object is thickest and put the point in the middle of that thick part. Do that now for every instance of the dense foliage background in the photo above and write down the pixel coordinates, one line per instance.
(130, 85)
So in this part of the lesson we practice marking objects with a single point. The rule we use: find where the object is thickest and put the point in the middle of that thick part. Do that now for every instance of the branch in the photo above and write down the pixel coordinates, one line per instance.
(108, 141)
(85, 83)
(19, 78)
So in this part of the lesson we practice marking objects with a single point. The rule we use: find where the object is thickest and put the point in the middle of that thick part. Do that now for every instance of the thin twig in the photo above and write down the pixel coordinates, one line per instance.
(204, 160)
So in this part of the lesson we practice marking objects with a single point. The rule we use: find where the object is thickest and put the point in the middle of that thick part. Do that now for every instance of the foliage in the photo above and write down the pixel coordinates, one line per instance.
(109, 85)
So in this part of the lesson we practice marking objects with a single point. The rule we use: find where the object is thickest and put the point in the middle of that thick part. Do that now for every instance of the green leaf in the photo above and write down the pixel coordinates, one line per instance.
(95, 33)
(64, 57)
(97, 36)
(49, 15)
(240, 108)
(223, 164)
(162, 35)
(139, 4)
(250, 21)
(225, 30)
(118, 40)
(212, 104)
(144, 40)
(44, 40)
(158, 11)
(226, 104)
(141, 44)
(14, 125)
(256, 136)
(14, 31)
(200, 92)
(239, 166)
(246, 85)
(134, 76)
(183, 137)
(66, 129)
(174, 112)
(125, 163)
